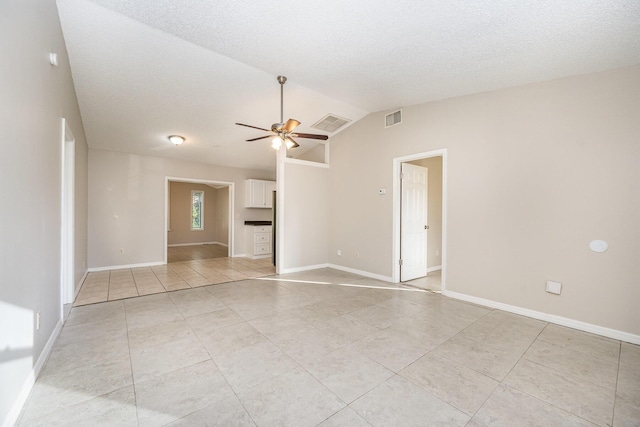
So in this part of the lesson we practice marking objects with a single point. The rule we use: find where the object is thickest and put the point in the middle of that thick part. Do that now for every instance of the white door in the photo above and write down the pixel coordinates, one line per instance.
(413, 222)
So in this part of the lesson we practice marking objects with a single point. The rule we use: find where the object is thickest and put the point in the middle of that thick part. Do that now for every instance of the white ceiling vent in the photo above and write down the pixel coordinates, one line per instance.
(330, 123)
(393, 119)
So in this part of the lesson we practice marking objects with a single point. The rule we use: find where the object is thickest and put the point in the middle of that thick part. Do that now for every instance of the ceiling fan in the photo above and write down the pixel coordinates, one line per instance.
(284, 131)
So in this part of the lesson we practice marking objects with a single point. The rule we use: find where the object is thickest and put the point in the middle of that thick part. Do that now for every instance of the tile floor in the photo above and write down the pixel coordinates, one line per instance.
(327, 348)
(431, 282)
(196, 252)
(113, 285)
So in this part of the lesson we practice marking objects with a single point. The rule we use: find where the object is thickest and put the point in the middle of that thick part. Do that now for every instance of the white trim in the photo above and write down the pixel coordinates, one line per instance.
(67, 214)
(27, 386)
(281, 158)
(232, 196)
(306, 162)
(119, 267)
(201, 228)
(551, 318)
(395, 244)
(260, 256)
(238, 256)
(197, 244)
(362, 273)
(436, 268)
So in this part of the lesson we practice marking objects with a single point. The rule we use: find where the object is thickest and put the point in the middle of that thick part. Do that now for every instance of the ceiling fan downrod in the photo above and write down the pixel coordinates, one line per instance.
(282, 80)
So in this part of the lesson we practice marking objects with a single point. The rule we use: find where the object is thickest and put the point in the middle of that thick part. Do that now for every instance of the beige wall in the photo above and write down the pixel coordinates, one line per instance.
(126, 204)
(315, 154)
(305, 215)
(434, 209)
(35, 97)
(221, 222)
(180, 214)
(534, 174)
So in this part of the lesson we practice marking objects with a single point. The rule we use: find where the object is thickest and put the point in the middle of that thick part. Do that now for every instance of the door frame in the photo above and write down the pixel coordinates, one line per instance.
(67, 214)
(397, 203)
(232, 192)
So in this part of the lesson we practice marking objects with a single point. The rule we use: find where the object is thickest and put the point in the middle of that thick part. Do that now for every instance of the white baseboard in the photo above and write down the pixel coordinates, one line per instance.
(27, 386)
(361, 273)
(118, 267)
(238, 256)
(551, 318)
(436, 268)
(174, 245)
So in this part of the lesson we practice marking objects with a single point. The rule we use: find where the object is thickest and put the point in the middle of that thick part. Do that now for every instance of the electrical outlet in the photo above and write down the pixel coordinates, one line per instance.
(357, 254)
(121, 250)
(339, 252)
(37, 321)
(437, 253)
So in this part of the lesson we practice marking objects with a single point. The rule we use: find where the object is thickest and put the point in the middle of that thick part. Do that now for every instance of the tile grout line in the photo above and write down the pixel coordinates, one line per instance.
(615, 396)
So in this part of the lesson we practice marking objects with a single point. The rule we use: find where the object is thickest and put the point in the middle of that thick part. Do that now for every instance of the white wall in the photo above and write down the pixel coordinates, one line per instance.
(126, 204)
(35, 97)
(534, 174)
(305, 213)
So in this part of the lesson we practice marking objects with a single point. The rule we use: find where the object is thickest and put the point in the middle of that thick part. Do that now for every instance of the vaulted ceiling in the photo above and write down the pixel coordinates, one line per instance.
(146, 69)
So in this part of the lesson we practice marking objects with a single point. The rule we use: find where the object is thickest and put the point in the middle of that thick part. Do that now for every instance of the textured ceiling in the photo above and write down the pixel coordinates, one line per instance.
(145, 69)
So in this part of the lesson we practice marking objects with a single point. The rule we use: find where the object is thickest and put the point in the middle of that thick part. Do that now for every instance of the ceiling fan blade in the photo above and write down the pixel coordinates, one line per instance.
(310, 136)
(259, 138)
(290, 125)
(253, 127)
(295, 144)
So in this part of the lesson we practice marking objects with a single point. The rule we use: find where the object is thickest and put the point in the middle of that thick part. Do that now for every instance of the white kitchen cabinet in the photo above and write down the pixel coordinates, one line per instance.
(259, 193)
(257, 241)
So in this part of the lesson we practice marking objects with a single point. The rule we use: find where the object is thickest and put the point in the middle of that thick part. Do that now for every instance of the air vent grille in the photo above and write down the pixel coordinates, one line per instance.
(393, 119)
(330, 123)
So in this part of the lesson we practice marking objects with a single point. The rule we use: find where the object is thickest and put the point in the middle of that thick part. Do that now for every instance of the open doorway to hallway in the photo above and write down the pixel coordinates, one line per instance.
(419, 219)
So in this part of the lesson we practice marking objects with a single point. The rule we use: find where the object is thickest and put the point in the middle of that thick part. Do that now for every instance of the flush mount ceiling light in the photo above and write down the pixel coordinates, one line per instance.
(176, 139)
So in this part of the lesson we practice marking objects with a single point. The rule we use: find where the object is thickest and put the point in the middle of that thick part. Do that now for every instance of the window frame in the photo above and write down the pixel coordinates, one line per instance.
(201, 200)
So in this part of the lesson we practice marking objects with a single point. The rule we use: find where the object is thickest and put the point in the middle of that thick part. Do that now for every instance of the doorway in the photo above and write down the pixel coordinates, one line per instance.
(203, 228)
(419, 220)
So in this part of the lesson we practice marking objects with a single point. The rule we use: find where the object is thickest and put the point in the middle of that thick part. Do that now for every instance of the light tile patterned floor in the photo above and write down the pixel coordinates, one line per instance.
(431, 282)
(113, 285)
(327, 348)
(196, 252)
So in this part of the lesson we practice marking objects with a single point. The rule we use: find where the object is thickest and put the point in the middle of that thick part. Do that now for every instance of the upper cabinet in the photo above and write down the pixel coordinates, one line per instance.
(259, 193)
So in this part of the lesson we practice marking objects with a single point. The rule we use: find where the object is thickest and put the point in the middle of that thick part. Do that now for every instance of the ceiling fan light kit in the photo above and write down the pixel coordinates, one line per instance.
(284, 130)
